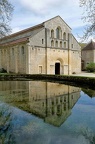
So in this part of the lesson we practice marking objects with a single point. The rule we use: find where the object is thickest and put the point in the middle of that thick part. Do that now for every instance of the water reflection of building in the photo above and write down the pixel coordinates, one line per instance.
(14, 92)
(51, 101)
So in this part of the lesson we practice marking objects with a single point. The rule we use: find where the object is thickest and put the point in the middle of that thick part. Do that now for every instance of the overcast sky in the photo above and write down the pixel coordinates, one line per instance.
(28, 13)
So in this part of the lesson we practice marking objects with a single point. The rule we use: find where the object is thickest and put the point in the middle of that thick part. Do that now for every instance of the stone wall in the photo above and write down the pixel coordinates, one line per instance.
(48, 46)
(57, 56)
(87, 57)
(36, 57)
(13, 59)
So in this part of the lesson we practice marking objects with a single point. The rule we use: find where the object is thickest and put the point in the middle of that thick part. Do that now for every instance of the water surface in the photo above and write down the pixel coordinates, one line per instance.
(35, 112)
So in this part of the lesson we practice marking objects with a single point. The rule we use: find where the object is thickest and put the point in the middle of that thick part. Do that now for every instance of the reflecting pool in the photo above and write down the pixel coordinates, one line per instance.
(36, 112)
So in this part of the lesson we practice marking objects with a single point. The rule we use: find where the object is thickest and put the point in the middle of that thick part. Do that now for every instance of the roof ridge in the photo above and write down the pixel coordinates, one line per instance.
(21, 40)
(56, 17)
(90, 46)
(93, 44)
(22, 31)
(31, 28)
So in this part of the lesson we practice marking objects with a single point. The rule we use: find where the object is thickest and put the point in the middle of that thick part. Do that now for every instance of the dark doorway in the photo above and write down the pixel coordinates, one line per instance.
(82, 65)
(57, 68)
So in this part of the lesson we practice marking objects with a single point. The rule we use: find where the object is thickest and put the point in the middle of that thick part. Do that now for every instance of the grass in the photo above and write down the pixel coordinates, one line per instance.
(74, 80)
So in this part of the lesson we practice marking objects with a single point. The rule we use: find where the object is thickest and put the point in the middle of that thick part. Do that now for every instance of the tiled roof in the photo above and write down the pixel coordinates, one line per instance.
(23, 31)
(22, 40)
(89, 46)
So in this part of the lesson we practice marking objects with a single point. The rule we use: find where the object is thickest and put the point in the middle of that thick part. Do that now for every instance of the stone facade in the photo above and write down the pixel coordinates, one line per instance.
(52, 101)
(88, 54)
(48, 48)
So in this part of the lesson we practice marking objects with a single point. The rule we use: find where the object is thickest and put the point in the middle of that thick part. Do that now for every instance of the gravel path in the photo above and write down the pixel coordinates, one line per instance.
(86, 74)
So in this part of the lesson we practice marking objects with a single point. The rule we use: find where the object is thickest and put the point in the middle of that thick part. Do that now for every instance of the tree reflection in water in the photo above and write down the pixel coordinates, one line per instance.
(89, 135)
(6, 134)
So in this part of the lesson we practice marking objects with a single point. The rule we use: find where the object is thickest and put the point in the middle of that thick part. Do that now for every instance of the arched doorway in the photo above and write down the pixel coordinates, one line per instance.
(57, 68)
(82, 65)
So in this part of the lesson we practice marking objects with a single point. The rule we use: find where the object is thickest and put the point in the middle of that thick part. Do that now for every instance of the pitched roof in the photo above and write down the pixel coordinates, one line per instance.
(21, 40)
(89, 46)
(24, 31)
(56, 17)
(82, 45)
(31, 28)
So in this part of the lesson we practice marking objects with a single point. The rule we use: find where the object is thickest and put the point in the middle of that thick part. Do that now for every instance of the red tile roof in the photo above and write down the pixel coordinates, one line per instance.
(21, 40)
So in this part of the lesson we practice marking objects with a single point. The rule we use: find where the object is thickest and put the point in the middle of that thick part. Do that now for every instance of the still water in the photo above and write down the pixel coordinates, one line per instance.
(35, 112)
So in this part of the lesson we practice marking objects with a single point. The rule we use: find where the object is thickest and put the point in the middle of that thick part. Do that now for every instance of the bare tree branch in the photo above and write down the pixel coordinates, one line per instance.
(88, 17)
(5, 16)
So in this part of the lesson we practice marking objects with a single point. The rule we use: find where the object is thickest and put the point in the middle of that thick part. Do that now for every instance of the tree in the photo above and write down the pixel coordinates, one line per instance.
(5, 16)
(88, 134)
(89, 17)
(91, 67)
(6, 126)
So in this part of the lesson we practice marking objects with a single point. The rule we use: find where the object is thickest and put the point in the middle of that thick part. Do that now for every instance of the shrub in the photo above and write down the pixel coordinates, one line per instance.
(91, 67)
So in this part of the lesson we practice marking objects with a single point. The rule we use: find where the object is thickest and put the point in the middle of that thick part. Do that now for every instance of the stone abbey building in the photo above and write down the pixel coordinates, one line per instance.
(47, 48)
(88, 54)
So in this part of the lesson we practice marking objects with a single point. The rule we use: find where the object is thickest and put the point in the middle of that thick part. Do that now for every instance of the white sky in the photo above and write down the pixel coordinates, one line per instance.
(28, 13)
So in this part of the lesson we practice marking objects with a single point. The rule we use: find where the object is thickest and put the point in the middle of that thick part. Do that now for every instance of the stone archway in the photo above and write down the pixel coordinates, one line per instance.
(59, 66)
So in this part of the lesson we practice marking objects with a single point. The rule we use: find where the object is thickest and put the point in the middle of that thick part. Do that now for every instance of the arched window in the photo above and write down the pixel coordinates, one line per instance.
(61, 44)
(12, 51)
(72, 45)
(64, 44)
(64, 36)
(56, 44)
(52, 43)
(22, 49)
(58, 33)
(42, 41)
(52, 33)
